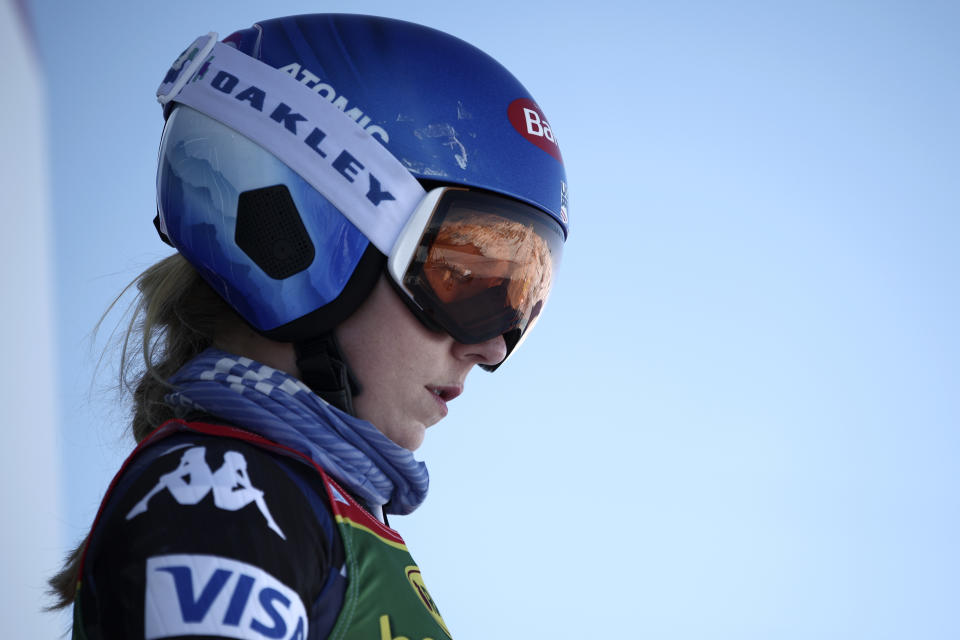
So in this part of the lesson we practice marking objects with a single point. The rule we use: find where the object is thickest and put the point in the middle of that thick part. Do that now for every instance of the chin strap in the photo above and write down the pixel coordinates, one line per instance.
(324, 369)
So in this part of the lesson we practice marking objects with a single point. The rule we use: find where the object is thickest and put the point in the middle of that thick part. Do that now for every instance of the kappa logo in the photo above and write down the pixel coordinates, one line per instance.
(193, 479)
(201, 595)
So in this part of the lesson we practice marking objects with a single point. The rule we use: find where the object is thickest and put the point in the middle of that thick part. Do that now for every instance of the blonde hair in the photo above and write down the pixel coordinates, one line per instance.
(174, 317)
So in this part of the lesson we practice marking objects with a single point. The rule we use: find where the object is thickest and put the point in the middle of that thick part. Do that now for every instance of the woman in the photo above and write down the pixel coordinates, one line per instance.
(363, 210)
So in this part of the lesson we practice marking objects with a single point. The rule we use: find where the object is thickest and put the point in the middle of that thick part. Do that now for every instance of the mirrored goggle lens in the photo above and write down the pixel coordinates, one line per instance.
(484, 265)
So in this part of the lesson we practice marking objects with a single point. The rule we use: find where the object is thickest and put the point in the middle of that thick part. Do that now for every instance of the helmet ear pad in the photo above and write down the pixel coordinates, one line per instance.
(269, 243)
(271, 233)
(365, 275)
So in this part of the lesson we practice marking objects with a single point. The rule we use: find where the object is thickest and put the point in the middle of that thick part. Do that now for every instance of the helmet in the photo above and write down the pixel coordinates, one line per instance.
(295, 152)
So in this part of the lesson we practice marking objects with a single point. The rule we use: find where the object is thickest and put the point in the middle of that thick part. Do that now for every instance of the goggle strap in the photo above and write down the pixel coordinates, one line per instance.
(337, 157)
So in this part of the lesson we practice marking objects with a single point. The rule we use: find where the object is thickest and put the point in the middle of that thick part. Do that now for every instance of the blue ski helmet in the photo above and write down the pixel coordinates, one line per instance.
(295, 152)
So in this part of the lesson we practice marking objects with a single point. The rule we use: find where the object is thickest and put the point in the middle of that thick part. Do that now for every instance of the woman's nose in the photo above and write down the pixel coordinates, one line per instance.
(491, 352)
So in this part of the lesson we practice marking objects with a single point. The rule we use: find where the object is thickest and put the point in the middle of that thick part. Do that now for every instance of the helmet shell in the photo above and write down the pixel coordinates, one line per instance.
(446, 110)
(443, 107)
(206, 168)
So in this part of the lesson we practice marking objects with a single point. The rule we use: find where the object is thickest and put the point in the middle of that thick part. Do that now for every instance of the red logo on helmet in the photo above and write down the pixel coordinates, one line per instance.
(527, 118)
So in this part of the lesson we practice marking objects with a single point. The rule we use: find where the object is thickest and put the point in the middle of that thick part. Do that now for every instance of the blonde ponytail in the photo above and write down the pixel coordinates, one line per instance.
(173, 318)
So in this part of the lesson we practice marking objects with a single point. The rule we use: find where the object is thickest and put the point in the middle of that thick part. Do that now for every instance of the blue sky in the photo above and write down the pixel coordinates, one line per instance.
(739, 415)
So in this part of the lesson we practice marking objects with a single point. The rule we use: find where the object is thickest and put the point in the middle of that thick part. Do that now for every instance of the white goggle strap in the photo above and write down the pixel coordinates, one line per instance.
(327, 148)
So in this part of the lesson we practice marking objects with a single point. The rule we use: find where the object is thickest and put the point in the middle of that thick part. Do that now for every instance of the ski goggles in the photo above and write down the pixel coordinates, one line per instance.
(476, 265)
(470, 263)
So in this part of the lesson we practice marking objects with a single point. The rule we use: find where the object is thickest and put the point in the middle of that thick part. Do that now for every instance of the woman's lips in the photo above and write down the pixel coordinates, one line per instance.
(444, 394)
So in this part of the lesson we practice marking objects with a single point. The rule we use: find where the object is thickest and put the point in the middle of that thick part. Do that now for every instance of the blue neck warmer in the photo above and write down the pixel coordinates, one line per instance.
(280, 408)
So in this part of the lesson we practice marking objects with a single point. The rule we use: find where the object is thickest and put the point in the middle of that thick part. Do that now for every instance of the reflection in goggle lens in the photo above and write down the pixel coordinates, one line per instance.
(480, 274)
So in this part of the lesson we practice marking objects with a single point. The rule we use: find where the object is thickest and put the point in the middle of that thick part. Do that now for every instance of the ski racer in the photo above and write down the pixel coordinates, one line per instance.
(362, 210)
